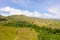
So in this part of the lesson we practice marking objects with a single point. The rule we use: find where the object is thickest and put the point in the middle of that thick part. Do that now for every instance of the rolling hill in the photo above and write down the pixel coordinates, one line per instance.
(21, 27)
(38, 21)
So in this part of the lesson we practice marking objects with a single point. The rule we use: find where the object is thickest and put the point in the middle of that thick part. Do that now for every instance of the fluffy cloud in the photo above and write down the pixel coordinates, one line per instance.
(54, 10)
(12, 11)
(5, 9)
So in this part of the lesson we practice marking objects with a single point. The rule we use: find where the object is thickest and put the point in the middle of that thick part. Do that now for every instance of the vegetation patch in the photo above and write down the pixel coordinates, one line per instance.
(24, 30)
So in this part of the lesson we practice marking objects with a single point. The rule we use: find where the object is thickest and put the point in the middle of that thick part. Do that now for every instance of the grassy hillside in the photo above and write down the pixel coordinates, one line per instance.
(11, 33)
(38, 21)
(21, 27)
(7, 33)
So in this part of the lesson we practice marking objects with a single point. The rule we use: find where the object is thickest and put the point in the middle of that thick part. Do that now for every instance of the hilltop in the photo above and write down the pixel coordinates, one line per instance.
(38, 21)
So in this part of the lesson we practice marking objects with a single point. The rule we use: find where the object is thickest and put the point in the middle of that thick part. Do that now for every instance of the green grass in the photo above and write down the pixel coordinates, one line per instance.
(27, 34)
(27, 28)
(7, 33)
(11, 33)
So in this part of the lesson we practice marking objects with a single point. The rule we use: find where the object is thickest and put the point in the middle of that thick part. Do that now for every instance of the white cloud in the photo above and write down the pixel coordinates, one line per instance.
(13, 11)
(6, 9)
(54, 10)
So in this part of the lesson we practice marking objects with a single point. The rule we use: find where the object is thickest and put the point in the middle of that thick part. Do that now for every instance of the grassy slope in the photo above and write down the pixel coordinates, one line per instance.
(31, 32)
(37, 21)
(11, 33)
(7, 33)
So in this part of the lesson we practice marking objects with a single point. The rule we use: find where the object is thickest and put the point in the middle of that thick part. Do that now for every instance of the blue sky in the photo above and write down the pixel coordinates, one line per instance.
(35, 8)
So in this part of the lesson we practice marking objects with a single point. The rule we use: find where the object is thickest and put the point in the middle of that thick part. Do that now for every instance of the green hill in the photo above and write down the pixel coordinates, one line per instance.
(21, 27)
(38, 21)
